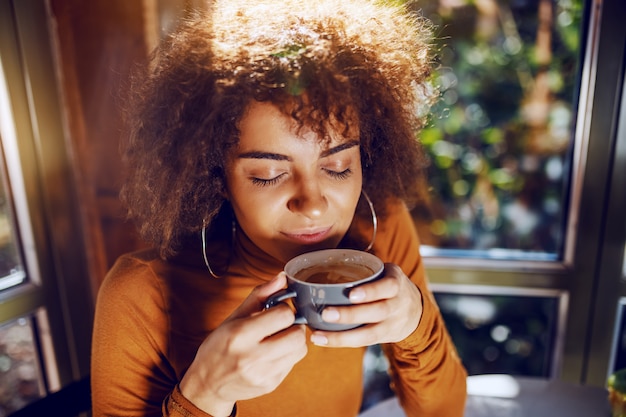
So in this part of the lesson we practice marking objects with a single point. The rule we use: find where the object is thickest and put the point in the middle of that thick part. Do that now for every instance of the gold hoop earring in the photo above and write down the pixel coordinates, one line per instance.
(374, 220)
(204, 247)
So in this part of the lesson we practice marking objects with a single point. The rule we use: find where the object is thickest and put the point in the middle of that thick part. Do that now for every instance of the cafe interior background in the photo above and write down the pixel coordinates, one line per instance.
(523, 227)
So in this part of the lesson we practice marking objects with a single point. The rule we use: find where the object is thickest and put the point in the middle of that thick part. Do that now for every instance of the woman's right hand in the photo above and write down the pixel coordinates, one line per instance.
(247, 356)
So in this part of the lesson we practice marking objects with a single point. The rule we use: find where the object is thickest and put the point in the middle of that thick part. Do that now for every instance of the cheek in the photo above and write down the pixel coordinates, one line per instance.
(345, 202)
(255, 212)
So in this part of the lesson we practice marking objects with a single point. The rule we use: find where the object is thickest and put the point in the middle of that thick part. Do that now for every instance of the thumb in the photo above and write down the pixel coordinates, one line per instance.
(275, 284)
(255, 302)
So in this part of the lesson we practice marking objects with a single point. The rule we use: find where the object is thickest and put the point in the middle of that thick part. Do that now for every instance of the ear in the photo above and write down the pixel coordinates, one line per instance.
(224, 193)
(220, 184)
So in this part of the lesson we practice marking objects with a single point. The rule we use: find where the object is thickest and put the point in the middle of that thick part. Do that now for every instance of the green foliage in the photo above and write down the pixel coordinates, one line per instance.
(617, 381)
(507, 83)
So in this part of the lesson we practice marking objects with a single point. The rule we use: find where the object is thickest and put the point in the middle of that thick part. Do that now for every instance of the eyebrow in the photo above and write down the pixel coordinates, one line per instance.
(280, 157)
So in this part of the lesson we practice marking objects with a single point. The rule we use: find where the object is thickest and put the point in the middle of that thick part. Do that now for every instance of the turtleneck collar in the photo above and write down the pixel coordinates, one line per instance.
(242, 258)
(251, 260)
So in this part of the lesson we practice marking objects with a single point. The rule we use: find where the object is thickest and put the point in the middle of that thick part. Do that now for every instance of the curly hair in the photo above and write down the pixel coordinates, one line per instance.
(313, 60)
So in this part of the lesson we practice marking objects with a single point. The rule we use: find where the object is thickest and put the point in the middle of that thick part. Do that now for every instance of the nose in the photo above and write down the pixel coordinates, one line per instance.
(308, 199)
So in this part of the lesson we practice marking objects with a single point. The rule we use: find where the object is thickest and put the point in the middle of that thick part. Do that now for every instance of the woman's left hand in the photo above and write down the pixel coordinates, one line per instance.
(390, 307)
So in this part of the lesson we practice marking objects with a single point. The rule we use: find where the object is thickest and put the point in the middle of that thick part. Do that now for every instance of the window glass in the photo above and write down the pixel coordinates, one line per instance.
(21, 379)
(500, 137)
(11, 270)
(510, 334)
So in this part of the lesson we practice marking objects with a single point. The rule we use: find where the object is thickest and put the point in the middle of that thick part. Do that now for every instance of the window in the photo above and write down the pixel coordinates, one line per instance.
(22, 346)
(525, 184)
(501, 137)
(512, 331)
(39, 334)
(496, 331)
(503, 141)
(21, 376)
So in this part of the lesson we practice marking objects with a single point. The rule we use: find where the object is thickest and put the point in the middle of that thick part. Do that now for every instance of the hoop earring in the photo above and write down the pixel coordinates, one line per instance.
(374, 220)
(204, 245)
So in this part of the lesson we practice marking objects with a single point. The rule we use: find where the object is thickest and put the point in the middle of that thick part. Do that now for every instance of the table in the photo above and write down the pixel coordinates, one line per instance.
(506, 396)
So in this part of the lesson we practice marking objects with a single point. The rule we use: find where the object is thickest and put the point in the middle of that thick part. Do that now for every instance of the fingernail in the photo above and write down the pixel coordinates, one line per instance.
(357, 294)
(319, 340)
(330, 314)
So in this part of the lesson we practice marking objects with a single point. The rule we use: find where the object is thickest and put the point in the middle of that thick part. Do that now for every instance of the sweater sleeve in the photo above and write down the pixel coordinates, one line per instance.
(426, 372)
(131, 374)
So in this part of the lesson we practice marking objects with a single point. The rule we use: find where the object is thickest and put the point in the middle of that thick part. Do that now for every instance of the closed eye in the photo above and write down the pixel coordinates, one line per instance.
(262, 182)
(342, 175)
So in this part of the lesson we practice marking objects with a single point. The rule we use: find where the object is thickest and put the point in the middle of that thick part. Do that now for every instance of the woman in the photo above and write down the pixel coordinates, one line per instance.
(263, 130)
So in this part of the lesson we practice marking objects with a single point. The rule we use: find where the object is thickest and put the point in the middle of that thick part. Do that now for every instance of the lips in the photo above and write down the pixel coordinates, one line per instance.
(308, 236)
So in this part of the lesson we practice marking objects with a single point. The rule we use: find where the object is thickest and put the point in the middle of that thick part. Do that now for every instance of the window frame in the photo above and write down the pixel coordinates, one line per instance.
(587, 218)
(58, 297)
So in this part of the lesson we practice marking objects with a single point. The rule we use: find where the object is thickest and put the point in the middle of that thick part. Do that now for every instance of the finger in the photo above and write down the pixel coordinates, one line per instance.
(259, 326)
(271, 371)
(275, 357)
(361, 336)
(256, 300)
(374, 312)
(289, 344)
(386, 287)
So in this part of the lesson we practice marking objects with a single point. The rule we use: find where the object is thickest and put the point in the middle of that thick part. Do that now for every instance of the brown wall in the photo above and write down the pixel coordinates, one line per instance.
(96, 43)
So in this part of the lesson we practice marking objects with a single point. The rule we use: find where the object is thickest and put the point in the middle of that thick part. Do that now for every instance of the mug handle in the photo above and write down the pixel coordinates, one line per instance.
(281, 296)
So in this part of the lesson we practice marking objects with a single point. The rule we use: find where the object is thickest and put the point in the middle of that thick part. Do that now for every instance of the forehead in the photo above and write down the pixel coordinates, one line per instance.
(265, 119)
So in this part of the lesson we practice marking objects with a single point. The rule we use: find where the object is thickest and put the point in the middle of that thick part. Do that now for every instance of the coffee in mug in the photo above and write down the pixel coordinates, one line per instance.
(334, 273)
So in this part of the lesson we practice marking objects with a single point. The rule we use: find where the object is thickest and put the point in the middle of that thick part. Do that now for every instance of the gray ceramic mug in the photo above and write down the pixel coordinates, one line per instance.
(319, 279)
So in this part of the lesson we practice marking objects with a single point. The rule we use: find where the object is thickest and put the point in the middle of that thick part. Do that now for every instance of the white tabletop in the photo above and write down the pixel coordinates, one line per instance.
(505, 396)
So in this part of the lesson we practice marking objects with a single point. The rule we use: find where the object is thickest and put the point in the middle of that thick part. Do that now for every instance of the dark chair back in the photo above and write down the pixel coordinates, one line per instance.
(70, 401)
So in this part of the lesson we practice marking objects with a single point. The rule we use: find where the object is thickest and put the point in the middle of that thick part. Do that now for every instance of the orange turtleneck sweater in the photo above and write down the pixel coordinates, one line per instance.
(152, 316)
